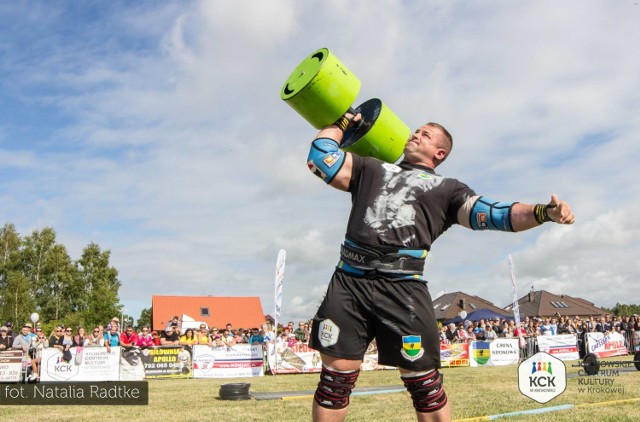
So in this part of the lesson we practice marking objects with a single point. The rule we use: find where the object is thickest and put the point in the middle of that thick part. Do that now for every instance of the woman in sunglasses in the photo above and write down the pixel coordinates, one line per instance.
(67, 344)
(96, 339)
(38, 343)
(55, 340)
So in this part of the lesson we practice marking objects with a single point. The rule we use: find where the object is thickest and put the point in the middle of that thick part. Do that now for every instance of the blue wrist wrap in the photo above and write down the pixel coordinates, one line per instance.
(325, 158)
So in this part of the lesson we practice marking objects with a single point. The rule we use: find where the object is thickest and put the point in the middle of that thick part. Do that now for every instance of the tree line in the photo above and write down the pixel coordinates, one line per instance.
(38, 275)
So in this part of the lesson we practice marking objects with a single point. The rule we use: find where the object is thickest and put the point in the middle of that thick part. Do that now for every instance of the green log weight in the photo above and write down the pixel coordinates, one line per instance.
(321, 89)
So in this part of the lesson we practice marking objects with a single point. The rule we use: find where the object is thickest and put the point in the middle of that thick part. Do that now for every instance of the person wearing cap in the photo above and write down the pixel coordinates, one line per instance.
(114, 321)
(174, 323)
(156, 338)
(169, 337)
(5, 340)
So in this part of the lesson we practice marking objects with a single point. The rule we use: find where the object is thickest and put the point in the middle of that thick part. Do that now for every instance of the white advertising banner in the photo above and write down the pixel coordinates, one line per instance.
(91, 364)
(604, 346)
(499, 352)
(562, 346)
(299, 358)
(241, 360)
(10, 365)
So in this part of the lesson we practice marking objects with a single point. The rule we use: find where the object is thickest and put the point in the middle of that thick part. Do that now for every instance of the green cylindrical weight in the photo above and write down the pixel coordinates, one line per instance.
(381, 135)
(321, 88)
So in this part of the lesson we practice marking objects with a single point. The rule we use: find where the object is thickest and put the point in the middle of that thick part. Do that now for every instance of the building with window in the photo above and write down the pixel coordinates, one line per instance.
(216, 311)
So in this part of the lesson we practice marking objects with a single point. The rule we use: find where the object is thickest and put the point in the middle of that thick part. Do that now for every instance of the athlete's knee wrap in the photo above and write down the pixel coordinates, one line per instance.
(426, 390)
(491, 215)
(325, 158)
(335, 388)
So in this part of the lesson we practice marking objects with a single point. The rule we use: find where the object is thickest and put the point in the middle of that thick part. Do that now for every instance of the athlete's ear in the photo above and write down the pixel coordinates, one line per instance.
(440, 154)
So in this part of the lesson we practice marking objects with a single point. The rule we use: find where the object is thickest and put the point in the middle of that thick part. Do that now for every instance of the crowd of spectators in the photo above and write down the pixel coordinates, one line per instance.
(532, 327)
(32, 339)
(537, 326)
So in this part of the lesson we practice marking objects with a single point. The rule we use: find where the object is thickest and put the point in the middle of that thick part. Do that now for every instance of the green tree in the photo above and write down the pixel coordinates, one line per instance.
(59, 284)
(12, 282)
(35, 251)
(18, 304)
(100, 282)
(145, 317)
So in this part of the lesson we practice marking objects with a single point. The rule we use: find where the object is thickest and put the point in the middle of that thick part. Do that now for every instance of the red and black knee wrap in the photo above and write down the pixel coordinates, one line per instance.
(335, 388)
(426, 391)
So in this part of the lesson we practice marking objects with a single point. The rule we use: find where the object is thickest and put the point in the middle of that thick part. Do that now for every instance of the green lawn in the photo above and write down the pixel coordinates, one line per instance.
(473, 393)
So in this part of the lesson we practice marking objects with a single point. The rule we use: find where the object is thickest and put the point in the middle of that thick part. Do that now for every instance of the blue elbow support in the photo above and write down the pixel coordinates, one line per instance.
(325, 158)
(490, 215)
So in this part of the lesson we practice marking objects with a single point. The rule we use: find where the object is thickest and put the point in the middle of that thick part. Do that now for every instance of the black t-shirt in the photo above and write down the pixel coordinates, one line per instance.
(170, 337)
(406, 205)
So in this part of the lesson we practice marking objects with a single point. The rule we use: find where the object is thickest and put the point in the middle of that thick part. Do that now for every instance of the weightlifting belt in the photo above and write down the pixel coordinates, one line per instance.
(396, 261)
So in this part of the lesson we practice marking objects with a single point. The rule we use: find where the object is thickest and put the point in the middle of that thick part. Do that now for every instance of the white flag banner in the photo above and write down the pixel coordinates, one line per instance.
(516, 306)
(278, 290)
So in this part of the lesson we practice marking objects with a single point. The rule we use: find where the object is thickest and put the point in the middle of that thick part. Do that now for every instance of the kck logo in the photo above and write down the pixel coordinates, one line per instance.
(542, 377)
(328, 334)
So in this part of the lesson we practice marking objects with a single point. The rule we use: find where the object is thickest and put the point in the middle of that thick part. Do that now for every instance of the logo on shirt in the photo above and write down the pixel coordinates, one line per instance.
(329, 333)
(412, 348)
(391, 167)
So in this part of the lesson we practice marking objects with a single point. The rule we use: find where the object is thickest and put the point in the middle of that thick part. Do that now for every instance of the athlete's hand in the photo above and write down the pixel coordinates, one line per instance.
(559, 211)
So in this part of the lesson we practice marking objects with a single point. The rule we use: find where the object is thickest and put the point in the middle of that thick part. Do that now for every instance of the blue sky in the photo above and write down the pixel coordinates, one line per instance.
(156, 130)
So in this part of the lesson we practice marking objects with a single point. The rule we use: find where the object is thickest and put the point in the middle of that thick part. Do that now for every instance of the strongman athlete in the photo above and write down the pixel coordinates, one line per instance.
(377, 290)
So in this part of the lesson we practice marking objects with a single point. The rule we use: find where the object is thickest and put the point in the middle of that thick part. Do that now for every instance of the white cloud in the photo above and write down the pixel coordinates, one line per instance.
(165, 140)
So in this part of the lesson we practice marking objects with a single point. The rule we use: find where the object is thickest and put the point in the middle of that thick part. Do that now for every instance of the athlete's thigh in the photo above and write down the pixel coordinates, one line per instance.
(406, 328)
(343, 325)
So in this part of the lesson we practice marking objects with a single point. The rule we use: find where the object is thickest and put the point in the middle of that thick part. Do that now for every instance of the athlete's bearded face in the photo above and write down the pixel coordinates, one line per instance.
(424, 145)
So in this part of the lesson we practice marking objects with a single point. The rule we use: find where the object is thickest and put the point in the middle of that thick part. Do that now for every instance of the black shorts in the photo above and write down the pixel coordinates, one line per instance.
(397, 313)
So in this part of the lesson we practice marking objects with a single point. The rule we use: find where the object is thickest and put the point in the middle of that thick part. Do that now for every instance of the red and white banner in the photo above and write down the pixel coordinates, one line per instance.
(604, 346)
(241, 360)
(562, 346)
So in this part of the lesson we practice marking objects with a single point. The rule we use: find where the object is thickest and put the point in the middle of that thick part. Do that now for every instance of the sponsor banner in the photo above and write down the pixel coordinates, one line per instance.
(87, 364)
(499, 352)
(302, 359)
(10, 365)
(562, 346)
(241, 360)
(131, 365)
(456, 354)
(604, 346)
(299, 358)
(166, 362)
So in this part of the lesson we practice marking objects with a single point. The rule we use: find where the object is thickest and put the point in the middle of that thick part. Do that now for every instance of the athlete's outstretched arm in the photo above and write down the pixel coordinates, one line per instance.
(481, 213)
(524, 216)
(326, 160)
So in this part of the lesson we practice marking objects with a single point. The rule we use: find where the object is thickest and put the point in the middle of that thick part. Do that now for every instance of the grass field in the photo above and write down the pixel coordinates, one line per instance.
(473, 393)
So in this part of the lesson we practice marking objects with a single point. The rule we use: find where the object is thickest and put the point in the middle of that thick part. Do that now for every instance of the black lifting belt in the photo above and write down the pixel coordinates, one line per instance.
(385, 262)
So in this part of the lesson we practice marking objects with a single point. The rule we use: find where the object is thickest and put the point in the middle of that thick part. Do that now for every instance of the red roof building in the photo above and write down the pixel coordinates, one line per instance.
(216, 311)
